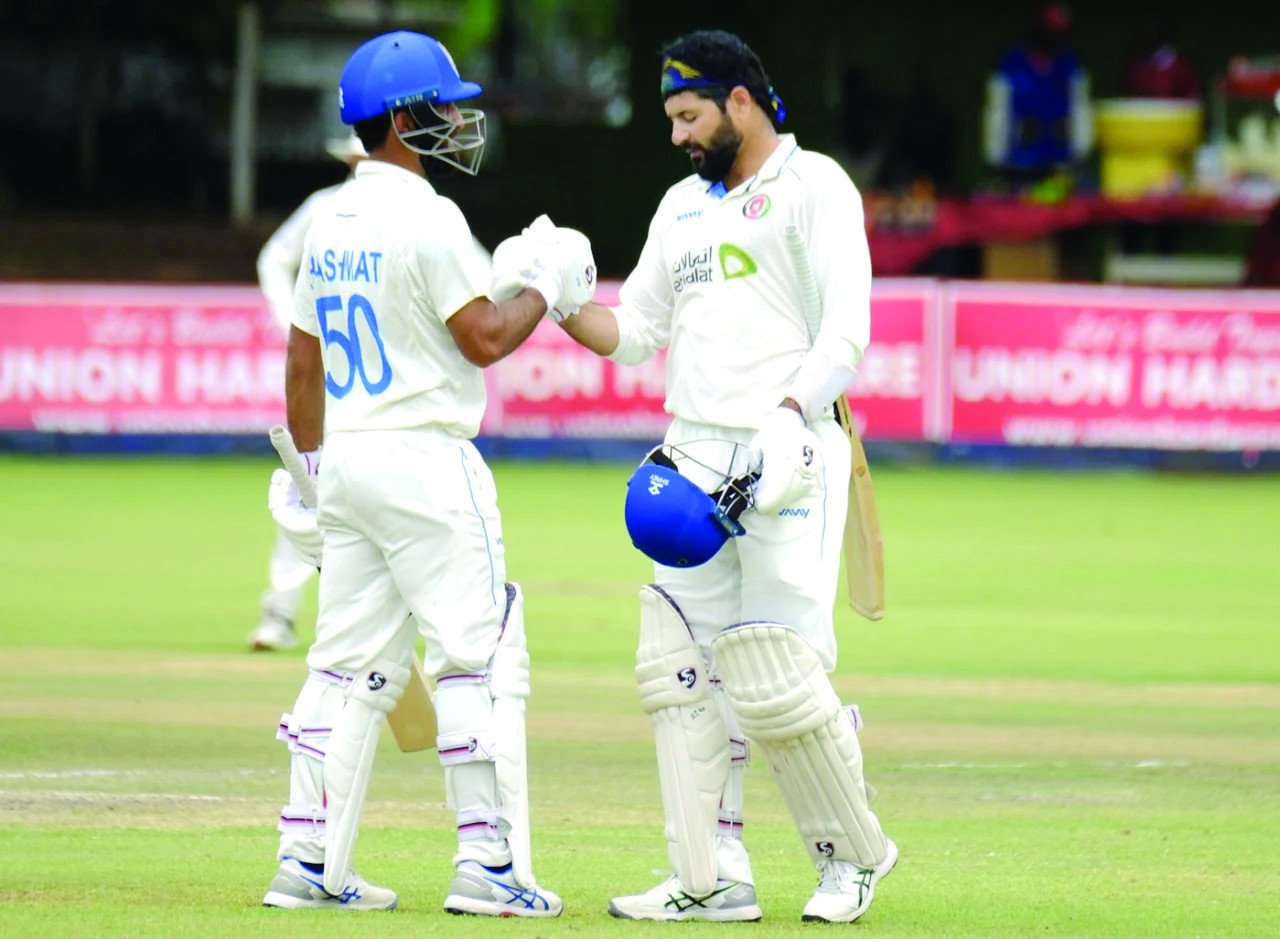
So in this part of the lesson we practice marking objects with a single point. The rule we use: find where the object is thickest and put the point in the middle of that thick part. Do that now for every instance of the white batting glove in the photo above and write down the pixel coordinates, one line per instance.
(576, 268)
(556, 262)
(298, 522)
(784, 451)
(515, 264)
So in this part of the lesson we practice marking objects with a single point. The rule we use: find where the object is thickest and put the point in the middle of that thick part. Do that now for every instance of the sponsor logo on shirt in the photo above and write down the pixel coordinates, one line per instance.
(685, 216)
(735, 262)
(694, 267)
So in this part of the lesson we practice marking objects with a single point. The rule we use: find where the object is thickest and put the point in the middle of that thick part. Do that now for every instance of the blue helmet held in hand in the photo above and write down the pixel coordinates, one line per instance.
(675, 523)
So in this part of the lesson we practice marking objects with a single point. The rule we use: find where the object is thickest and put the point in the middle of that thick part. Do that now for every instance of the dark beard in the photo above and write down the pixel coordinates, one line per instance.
(718, 157)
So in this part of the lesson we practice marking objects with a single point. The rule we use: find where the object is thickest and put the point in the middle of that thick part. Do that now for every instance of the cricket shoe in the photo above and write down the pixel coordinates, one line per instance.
(494, 891)
(844, 893)
(732, 901)
(300, 886)
(273, 634)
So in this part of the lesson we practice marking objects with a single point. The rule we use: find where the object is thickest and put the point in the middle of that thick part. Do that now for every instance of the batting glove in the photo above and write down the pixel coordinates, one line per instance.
(575, 269)
(298, 522)
(556, 262)
(515, 264)
(784, 451)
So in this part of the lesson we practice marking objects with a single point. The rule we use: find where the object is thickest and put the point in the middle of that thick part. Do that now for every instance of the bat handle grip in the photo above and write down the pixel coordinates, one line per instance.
(282, 440)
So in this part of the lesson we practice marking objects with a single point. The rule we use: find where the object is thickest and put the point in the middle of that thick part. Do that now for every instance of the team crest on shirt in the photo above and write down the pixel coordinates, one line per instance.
(757, 206)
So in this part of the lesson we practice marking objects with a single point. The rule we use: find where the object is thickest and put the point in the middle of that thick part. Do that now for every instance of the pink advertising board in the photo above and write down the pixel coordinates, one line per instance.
(895, 393)
(951, 362)
(552, 387)
(138, 359)
(1112, 367)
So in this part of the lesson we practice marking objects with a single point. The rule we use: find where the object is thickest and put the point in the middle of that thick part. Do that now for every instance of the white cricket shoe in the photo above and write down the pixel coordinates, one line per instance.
(299, 886)
(731, 902)
(844, 893)
(494, 891)
(273, 634)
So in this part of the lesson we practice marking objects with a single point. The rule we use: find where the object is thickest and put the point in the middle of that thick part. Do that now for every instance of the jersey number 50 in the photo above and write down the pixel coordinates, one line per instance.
(348, 344)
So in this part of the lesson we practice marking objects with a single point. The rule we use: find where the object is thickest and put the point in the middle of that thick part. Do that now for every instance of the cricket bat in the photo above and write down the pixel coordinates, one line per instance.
(413, 719)
(863, 548)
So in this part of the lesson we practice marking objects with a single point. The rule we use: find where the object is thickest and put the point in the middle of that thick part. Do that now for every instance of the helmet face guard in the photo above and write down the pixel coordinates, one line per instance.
(459, 143)
(674, 522)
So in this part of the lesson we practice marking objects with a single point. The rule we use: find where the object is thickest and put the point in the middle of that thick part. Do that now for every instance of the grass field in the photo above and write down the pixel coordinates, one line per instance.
(1073, 710)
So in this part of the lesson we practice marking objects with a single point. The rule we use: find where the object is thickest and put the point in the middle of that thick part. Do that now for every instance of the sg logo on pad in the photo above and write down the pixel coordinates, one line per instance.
(688, 677)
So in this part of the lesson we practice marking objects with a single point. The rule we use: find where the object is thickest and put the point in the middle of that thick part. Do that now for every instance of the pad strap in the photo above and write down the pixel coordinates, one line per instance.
(307, 819)
(466, 747)
(299, 738)
(479, 825)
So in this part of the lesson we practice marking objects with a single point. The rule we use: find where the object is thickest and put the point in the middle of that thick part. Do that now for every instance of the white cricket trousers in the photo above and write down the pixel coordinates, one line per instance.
(785, 569)
(411, 526)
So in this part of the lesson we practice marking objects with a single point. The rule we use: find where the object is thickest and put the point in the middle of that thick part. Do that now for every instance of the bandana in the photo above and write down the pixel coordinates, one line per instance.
(677, 76)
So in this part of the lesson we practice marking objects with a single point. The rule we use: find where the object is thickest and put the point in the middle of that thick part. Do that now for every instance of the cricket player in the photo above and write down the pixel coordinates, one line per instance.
(278, 265)
(737, 647)
(392, 325)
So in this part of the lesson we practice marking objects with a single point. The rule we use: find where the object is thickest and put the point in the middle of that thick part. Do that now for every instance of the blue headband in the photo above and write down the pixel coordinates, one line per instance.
(677, 76)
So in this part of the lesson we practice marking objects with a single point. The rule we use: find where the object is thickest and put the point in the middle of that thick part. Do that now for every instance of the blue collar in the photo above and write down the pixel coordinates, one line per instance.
(717, 190)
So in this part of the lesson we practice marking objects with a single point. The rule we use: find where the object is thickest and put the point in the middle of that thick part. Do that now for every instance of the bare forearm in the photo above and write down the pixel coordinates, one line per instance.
(595, 327)
(516, 319)
(304, 390)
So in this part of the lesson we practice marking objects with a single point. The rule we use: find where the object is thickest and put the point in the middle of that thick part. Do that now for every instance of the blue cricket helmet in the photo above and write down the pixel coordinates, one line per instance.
(397, 70)
(675, 523)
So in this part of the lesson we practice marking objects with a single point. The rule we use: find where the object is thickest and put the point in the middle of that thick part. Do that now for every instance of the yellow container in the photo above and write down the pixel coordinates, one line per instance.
(1146, 144)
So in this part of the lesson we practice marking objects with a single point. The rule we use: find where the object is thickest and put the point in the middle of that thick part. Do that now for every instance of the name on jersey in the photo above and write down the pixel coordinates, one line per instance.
(346, 266)
(693, 268)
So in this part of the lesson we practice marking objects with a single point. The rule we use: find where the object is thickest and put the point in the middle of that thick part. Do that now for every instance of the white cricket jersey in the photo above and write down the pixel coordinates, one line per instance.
(387, 262)
(717, 286)
(281, 256)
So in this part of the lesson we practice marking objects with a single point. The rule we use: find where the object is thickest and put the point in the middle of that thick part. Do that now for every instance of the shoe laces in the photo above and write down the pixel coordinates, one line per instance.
(844, 877)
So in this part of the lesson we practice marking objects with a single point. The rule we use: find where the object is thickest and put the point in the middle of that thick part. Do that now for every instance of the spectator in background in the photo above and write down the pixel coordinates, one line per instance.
(1038, 122)
(278, 263)
(1158, 69)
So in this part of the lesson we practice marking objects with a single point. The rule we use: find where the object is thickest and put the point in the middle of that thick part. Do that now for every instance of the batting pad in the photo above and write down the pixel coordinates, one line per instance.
(691, 737)
(509, 685)
(787, 707)
(306, 733)
(348, 762)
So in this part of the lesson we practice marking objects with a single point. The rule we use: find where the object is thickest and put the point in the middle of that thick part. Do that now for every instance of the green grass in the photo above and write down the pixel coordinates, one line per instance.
(1071, 710)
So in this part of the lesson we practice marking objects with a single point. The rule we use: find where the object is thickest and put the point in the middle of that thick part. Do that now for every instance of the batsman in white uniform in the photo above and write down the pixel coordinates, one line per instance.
(392, 326)
(736, 635)
(278, 264)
